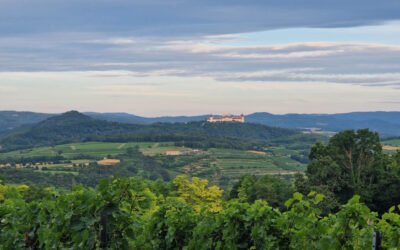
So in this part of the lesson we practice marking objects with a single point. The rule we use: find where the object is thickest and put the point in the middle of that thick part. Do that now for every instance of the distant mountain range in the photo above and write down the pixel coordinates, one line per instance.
(386, 123)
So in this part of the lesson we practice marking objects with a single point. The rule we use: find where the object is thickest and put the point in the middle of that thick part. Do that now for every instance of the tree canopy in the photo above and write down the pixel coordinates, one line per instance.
(352, 163)
(269, 188)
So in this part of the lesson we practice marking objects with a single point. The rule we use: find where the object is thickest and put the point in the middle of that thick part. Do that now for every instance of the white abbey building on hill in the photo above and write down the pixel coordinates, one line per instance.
(226, 118)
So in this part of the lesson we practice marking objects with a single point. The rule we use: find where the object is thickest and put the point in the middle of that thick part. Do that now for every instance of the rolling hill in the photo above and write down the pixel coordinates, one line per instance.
(74, 126)
(68, 127)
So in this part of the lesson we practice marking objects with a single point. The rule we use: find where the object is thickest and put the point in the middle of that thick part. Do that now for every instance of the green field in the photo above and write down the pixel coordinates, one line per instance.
(161, 148)
(96, 150)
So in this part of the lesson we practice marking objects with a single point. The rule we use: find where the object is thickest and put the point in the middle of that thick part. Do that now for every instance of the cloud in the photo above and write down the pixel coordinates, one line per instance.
(188, 17)
(372, 80)
(223, 37)
(198, 39)
(358, 63)
(156, 38)
(113, 41)
(331, 62)
(150, 90)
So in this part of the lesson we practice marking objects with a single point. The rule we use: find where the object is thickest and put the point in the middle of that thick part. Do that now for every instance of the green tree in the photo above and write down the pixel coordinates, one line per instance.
(198, 194)
(352, 163)
(268, 188)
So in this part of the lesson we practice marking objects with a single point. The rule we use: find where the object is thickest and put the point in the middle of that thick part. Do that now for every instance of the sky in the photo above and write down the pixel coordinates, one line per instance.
(186, 57)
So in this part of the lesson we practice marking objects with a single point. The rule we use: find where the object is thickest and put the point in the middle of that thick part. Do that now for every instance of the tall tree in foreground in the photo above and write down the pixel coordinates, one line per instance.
(353, 163)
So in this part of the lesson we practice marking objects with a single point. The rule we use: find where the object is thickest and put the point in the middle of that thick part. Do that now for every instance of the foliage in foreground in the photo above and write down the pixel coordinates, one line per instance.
(184, 214)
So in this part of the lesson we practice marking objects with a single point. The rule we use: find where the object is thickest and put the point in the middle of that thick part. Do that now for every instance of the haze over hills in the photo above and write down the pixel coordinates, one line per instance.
(386, 123)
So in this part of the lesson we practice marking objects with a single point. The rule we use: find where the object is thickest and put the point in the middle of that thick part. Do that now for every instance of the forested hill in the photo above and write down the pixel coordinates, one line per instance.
(74, 126)
(240, 130)
(68, 127)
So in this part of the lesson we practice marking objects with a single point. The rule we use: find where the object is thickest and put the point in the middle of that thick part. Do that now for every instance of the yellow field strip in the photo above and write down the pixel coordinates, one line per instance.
(386, 147)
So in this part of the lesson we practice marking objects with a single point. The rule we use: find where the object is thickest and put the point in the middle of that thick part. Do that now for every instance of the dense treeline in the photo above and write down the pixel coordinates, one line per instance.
(135, 214)
(199, 141)
(32, 159)
(31, 176)
(228, 129)
(75, 127)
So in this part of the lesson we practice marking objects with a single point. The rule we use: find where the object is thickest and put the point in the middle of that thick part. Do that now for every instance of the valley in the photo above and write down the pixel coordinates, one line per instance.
(75, 149)
(218, 165)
